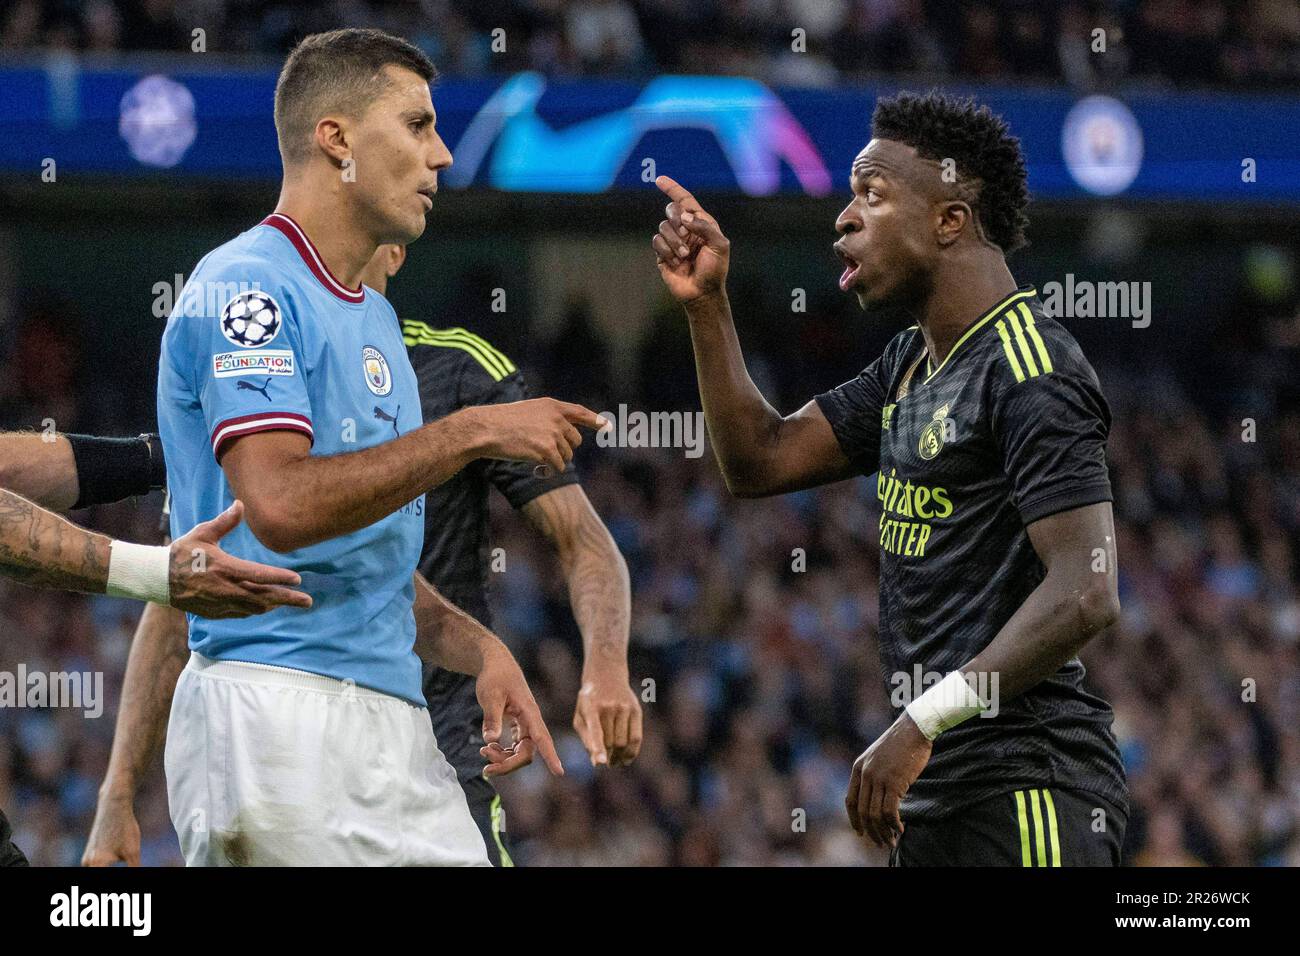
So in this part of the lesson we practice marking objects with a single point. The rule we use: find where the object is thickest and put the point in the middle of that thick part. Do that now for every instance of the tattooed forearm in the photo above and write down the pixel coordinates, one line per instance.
(39, 548)
(599, 590)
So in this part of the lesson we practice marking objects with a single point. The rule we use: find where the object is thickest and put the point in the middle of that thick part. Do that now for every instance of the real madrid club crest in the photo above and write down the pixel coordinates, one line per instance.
(379, 379)
(932, 435)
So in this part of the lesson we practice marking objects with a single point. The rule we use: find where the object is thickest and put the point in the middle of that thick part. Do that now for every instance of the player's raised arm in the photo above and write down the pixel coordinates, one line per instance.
(451, 639)
(760, 451)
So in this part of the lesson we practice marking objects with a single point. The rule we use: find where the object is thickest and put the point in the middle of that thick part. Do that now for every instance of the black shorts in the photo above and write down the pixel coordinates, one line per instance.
(10, 855)
(1033, 827)
(485, 807)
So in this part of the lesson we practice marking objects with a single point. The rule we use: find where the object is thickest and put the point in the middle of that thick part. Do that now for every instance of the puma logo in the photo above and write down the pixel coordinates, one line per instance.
(249, 386)
(384, 416)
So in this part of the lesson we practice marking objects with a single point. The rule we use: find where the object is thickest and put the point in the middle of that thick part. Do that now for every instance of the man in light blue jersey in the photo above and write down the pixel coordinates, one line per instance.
(303, 738)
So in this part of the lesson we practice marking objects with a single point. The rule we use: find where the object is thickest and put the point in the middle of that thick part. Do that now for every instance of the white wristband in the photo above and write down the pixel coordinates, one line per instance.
(139, 571)
(945, 705)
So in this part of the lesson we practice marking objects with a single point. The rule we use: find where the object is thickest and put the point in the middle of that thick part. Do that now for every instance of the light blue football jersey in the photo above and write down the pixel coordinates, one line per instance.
(265, 338)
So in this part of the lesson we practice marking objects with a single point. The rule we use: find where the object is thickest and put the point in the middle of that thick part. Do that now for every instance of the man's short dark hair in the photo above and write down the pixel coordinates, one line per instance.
(339, 71)
(990, 166)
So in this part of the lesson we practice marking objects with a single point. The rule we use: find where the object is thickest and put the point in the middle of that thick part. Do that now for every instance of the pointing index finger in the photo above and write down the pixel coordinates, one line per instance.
(676, 192)
(581, 415)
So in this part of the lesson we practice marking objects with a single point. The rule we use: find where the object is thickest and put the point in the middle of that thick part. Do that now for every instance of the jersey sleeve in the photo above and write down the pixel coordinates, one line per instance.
(244, 355)
(854, 411)
(488, 377)
(1051, 429)
(520, 481)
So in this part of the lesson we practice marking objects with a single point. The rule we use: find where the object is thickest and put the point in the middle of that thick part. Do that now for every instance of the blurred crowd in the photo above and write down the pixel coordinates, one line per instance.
(1231, 43)
(759, 674)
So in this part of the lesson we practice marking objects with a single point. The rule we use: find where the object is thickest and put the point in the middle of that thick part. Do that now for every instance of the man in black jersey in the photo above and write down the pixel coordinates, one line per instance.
(986, 429)
(455, 369)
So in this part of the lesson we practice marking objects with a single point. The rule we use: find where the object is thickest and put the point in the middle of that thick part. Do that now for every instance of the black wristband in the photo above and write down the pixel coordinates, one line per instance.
(110, 469)
(157, 463)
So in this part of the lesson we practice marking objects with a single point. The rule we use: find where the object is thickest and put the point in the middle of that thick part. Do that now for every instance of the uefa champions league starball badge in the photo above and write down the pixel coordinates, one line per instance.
(250, 319)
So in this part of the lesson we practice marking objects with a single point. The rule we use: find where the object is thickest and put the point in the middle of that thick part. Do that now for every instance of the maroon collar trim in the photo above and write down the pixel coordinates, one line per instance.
(294, 233)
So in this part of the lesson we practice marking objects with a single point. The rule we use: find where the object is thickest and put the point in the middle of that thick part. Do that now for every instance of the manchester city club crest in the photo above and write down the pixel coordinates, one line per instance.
(379, 379)
(934, 434)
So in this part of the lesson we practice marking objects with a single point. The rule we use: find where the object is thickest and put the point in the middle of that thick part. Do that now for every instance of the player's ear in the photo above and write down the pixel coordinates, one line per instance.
(954, 217)
(332, 139)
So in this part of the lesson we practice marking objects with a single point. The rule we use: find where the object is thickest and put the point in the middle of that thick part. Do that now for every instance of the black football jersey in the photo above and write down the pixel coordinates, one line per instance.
(456, 369)
(1010, 428)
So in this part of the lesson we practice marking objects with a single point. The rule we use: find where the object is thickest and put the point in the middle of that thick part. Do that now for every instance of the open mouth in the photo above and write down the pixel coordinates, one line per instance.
(851, 268)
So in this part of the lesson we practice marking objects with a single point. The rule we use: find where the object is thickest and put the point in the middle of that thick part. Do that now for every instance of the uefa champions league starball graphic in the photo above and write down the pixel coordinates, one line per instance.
(157, 121)
(250, 319)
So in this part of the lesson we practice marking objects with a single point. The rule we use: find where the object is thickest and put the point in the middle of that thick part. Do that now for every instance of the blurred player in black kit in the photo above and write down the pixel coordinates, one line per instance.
(456, 369)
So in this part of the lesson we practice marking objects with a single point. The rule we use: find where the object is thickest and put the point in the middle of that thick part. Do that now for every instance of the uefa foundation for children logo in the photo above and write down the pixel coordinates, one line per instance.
(637, 429)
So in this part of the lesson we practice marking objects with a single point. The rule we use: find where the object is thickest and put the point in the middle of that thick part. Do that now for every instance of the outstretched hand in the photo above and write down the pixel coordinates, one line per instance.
(206, 581)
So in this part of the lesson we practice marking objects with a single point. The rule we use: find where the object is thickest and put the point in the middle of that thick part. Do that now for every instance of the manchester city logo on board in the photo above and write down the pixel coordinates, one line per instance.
(378, 377)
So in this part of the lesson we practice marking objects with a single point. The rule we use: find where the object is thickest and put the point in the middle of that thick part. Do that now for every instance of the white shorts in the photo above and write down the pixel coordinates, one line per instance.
(268, 766)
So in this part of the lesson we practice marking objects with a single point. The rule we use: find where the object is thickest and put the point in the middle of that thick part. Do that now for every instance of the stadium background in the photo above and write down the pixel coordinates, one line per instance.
(766, 680)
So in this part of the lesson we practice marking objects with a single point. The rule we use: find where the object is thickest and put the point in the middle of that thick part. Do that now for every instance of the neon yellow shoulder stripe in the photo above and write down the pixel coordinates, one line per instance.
(1043, 359)
(415, 337)
(1038, 828)
(979, 324)
(1030, 365)
(1011, 352)
(1017, 333)
(488, 359)
(481, 342)
(1052, 829)
(493, 361)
